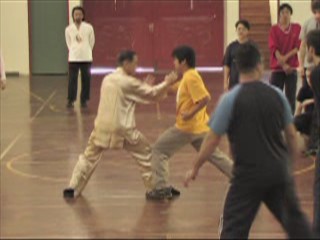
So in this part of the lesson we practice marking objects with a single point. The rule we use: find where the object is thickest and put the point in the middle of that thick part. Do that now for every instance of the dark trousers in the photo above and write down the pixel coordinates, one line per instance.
(303, 122)
(281, 80)
(316, 198)
(243, 202)
(314, 139)
(74, 68)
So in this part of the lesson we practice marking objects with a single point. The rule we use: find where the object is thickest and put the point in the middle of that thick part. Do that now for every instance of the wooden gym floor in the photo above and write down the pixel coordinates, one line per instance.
(40, 144)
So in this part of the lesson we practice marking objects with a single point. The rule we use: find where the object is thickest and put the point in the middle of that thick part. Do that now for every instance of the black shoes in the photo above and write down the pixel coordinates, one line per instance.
(68, 193)
(70, 104)
(156, 194)
(163, 194)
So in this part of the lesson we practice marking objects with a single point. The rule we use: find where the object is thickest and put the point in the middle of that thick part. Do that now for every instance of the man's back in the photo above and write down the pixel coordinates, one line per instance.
(257, 114)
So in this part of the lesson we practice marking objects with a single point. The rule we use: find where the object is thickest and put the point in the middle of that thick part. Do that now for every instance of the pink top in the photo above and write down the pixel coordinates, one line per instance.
(284, 41)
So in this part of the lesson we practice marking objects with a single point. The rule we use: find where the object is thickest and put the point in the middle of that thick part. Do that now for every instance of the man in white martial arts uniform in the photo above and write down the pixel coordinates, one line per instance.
(115, 126)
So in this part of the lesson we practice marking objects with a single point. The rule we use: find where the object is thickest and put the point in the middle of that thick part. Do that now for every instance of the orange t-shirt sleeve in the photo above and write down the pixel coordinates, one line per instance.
(197, 89)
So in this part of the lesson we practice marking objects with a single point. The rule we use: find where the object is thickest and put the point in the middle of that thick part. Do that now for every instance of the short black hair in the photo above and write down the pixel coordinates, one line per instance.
(248, 57)
(287, 6)
(315, 5)
(185, 53)
(243, 22)
(313, 40)
(80, 9)
(126, 55)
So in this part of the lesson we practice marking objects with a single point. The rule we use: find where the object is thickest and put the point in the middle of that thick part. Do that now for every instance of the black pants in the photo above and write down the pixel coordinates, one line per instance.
(243, 202)
(74, 68)
(303, 122)
(281, 80)
(314, 139)
(316, 198)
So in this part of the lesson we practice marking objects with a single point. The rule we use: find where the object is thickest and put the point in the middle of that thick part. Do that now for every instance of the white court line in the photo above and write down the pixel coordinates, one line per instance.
(15, 140)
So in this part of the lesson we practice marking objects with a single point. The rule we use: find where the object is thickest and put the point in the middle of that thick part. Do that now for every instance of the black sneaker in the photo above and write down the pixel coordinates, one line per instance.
(159, 194)
(163, 194)
(70, 105)
(68, 193)
(175, 192)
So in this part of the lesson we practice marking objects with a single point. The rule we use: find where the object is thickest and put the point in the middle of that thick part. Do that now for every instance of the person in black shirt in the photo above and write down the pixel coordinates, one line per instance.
(231, 73)
(306, 118)
(254, 115)
(304, 110)
(313, 45)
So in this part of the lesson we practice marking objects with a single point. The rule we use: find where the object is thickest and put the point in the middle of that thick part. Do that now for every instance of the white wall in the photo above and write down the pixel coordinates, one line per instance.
(274, 11)
(72, 4)
(301, 10)
(14, 36)
(231, 16)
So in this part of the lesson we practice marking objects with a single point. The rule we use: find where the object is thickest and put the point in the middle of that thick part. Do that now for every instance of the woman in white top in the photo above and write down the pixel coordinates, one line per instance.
(80, 41)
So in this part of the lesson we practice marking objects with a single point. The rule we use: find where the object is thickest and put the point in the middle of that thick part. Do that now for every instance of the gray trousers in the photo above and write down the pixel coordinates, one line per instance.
(169, 143)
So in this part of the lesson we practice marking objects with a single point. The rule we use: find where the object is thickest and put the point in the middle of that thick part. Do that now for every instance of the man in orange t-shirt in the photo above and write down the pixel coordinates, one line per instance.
(190, 128)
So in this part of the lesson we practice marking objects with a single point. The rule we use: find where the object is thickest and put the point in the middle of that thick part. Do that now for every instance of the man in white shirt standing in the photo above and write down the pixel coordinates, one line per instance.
(80, 41)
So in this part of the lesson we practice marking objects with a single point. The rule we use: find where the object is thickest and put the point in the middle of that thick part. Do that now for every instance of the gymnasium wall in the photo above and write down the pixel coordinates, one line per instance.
(14, 40)
(301, 10)
(231, 16)
(14, 37)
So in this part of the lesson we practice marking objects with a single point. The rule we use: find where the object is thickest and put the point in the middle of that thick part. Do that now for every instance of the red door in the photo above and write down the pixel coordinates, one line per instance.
(119, 25)
(154, 28)
(198, 23)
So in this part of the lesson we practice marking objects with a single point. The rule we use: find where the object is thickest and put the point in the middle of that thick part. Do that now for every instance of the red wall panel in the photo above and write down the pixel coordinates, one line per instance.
(154, 28)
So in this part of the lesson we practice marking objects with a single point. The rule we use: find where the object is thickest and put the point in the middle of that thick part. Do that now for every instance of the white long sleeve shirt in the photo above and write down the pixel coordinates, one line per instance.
(80, 42)
(115, 121)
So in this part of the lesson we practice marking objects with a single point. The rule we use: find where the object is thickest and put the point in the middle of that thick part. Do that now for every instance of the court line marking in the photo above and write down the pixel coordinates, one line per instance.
(10, 167)
(15, 140)
(307, 169)
(52, 107)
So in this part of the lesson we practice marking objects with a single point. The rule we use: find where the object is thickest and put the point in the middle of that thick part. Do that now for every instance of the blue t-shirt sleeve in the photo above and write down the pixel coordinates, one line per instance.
(288, 117)
(220, 119)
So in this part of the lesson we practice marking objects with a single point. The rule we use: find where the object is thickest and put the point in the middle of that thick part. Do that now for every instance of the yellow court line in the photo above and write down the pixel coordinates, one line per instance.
(307, 169)
(10, 167)
(27, 175)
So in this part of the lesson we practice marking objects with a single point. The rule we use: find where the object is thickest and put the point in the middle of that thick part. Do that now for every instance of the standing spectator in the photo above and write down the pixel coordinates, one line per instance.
(80, 41)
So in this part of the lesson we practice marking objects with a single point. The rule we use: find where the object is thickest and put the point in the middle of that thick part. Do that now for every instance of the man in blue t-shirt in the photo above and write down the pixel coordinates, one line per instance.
(254, 115)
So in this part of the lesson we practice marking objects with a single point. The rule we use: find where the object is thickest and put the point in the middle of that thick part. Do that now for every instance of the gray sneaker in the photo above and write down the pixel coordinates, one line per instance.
(162, 194)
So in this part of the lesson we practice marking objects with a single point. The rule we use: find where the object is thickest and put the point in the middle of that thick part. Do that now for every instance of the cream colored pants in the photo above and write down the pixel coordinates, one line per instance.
(139, 149)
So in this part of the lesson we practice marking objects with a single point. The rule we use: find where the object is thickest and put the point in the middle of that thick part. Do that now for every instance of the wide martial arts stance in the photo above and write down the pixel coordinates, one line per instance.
(190, 128)
(115, 126)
